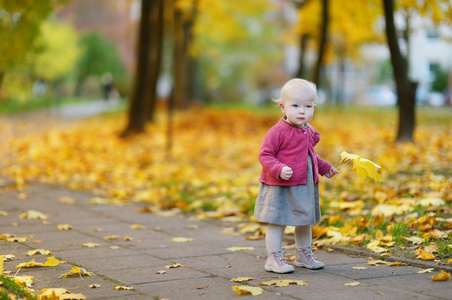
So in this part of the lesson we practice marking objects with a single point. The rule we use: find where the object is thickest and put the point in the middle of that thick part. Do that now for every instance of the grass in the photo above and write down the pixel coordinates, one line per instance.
(15, 107)
(10, 288)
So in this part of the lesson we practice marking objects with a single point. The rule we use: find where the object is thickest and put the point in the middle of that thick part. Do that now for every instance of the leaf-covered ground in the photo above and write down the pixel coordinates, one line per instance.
(213, 171)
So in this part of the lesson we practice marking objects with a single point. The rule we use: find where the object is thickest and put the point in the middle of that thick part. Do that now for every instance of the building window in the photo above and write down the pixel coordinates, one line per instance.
(432, 34)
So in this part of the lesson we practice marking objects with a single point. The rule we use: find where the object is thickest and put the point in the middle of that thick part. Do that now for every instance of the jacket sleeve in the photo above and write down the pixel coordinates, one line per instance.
(268, 152)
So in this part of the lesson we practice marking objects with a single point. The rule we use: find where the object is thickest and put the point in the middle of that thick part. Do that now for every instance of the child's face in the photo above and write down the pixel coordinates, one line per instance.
(298, 108)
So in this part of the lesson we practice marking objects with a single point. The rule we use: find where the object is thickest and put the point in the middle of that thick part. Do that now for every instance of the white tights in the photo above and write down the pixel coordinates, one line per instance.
(274, 236)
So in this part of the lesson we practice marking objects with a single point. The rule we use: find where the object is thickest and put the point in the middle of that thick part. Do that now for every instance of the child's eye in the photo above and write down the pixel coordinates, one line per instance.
(294, 105)
(308, 106)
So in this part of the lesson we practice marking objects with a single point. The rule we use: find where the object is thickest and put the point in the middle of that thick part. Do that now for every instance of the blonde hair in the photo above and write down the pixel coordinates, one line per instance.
(302, 85)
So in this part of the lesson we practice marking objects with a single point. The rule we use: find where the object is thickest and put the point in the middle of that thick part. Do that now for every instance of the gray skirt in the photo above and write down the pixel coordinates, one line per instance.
(289, 205)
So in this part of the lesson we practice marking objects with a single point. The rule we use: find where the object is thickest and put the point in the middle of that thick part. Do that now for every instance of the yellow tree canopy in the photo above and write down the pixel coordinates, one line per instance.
(351, 25)
(59, 50)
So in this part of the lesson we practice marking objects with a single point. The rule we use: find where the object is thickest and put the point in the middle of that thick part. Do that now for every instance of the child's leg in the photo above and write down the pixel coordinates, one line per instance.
(273, 237)
(275, 260)
(305, 258)
(303, 236)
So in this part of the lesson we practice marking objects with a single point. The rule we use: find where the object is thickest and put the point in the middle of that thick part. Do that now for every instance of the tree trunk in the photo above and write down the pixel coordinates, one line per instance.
(155, 57)
(406, 89)
(180, 84)
(322, 41)
(137, 113)
(304, 39)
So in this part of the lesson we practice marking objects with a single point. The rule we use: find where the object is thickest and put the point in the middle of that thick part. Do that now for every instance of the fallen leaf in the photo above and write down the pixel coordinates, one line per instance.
(160, 272)
(112, 237)
(128, 239)
(122, 287)
(376, 262)
(33, 215)
(2, 259)
(429, 270)
(64, 227)
(242, 279)
(177, 265)
(38, 251)
(359, 268)
(76, 271)
(244, 290)
(90, 245)
(424, 254)
(94, 286)
(3, 213)
(395, 264)
(23, 280)
(138, 226)
(284, 282)
(182, 240)
(355, 283)
(414, 239)
(240, 248)
(442, 276)
(67, 200)
(193, 227)
(51, 262)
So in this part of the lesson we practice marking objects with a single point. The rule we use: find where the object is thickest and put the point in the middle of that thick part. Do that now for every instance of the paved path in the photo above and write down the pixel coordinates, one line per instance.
(207, 268)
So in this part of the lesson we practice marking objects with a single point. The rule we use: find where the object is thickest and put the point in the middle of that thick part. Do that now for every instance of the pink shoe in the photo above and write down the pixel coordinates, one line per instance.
(306, 259)
(276, 263)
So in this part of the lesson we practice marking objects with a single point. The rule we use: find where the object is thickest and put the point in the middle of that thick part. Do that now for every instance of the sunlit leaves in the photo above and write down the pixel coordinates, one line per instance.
(51, 262)
(38, 251)
(240, 248)
(59, 294)
(354, 283)
(123, 287)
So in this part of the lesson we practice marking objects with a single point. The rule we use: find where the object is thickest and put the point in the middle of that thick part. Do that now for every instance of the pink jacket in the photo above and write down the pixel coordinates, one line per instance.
(288, 145)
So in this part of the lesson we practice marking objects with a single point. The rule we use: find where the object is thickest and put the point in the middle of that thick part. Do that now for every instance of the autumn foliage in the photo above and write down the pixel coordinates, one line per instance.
(213, 171)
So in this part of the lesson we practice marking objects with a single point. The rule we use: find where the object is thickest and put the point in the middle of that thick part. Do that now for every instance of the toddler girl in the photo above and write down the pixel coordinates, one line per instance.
(289, 192)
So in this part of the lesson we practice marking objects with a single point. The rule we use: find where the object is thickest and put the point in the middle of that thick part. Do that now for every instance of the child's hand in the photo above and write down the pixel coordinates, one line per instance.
(286, 173)
(331, 172)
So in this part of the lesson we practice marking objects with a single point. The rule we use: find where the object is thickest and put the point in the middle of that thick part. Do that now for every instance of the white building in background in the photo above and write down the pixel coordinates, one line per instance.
(430, 49)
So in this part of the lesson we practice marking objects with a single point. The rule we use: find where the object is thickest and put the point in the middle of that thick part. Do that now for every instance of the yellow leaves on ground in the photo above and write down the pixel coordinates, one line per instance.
(59, 294)
(176, 265)
(138, 226)
(90, 245)
(123, 287)
(442, 276)
(51, 262)
(378, 262)
(2, 259)
(426, 253)
(64, 227)
(414, 239)
(38, 251)
(33, 215)
(7, 237)
(242, 279)
(76, 271)
(23, 280)
(182, 239)
(245, 290)
(429, 270)
(240, 248)
(284, 282)
(3, 213)
(364, 167)
(354, 283)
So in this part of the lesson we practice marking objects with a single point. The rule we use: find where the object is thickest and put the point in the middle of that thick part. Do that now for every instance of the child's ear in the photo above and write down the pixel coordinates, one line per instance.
(315, 106)
(281, 105)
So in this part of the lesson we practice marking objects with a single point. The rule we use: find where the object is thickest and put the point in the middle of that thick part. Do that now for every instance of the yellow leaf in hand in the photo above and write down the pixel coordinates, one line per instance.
(443, 276)
(364, 167)
(244, 290)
